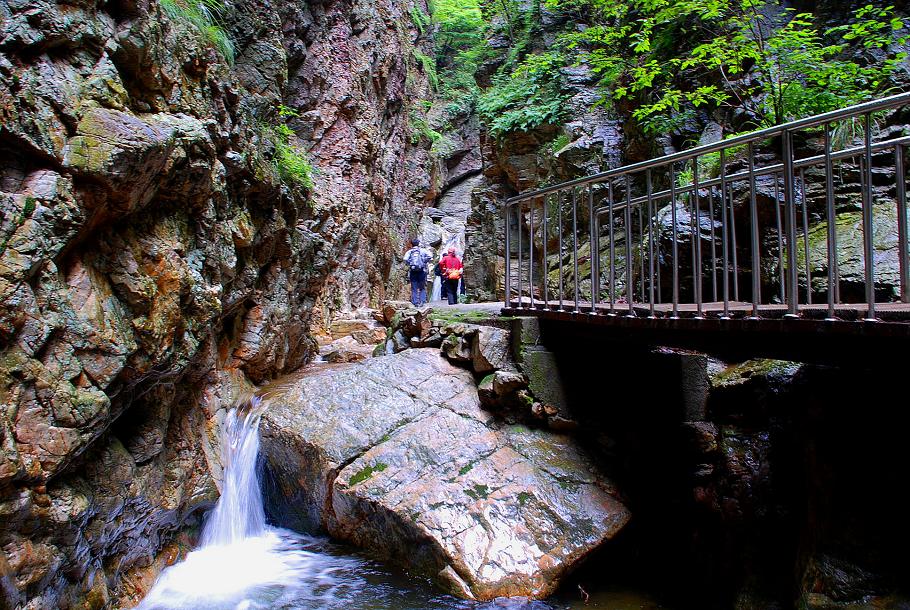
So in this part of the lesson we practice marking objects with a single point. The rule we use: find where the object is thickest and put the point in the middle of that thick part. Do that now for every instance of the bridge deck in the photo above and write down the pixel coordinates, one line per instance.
(850, 339)
(884, 312)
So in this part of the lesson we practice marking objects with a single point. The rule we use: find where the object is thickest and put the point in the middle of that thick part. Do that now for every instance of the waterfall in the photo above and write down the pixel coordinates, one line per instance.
(242, 562)
(436, 295)
(239, 513)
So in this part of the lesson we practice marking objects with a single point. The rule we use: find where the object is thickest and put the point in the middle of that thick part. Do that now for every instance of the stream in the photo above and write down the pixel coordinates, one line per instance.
(243, 563)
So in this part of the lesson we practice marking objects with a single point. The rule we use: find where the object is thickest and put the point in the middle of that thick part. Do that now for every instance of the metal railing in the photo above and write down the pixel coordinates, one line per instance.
(752, 228)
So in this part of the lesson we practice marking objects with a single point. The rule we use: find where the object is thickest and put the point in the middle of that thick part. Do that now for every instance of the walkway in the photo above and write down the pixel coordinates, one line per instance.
(805, 242)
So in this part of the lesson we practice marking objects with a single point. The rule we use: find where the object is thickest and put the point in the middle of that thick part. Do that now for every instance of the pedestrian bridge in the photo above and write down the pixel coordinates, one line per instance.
(791, 242)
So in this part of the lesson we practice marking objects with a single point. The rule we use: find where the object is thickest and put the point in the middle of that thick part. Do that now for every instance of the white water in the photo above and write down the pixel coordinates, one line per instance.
(243, 563)
(436, 294)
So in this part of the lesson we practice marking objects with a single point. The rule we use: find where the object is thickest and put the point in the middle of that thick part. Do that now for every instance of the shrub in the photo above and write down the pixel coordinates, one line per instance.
(527, 98)
(290, 161)
(204, 16)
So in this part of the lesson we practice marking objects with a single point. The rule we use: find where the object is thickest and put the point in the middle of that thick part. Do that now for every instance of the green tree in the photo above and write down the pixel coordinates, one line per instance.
(670, 57)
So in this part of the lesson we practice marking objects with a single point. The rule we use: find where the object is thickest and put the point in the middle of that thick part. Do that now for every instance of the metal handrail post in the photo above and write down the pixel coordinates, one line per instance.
(832, 225)
(790, 207)
(805, 210)
(531, 253)
(675, 242)
(559, 227)
(754, 234)
(696, 238)
(612, 251)
(593, 252)
(575, 245)
(650, 245)
(546, 264)
(508, 252)
(520, 298)
(902, 237)
(868, 236)
(630, 278)
(724, 230)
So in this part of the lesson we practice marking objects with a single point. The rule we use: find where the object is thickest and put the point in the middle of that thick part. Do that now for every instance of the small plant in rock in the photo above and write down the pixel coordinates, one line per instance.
(420, 19)
(428, 66)
(290, 161)
(205, 16)
(420, 128)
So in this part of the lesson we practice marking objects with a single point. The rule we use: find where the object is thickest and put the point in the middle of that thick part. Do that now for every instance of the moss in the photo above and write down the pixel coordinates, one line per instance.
(568, 485)
(28, 208)
(463, 317)
(740, 373)
(478, 492)
(366, 473)
(466, 469)
(523, 498)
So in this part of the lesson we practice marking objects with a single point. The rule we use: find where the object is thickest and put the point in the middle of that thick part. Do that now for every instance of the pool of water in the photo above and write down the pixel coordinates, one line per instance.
(243, 563)
(282, 570)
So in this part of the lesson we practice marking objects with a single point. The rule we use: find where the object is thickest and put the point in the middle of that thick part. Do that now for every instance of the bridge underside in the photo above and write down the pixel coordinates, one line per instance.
(808, 338)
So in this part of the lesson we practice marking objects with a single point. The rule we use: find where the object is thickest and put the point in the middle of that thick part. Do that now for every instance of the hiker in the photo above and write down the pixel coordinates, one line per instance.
(417, 259)
(452, 270)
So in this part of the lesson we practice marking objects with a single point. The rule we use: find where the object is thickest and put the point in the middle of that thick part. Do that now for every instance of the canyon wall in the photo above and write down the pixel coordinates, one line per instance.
(160, 251)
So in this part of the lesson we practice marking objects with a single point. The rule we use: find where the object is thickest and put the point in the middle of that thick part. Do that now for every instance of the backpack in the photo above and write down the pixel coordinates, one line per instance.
(416, 259)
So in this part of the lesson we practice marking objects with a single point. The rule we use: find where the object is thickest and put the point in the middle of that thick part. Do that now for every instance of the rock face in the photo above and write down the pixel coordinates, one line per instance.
(156, 257)
(395, 454)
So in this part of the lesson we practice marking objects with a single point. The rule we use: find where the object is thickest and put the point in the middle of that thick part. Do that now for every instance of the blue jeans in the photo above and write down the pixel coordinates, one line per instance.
(418, 287)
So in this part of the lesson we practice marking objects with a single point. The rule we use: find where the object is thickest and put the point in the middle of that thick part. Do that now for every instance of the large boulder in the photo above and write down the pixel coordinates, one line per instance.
(396, 455)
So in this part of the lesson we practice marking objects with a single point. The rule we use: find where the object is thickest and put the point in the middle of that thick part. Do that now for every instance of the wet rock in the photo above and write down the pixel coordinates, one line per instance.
(503, 392)
(850, 264)
(397, 456)
(365, 332)
(390, 308)
(347, 349)
(400, 341)
(832, 582)
(483, 348)
(744, 393)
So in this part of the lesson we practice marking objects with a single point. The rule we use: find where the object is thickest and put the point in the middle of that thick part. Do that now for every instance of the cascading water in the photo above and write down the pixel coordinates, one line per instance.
(242, 562)
(239, 514)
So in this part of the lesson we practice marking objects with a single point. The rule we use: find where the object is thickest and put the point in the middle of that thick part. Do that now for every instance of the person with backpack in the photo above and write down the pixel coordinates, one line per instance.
(417, 259)
(452, 270)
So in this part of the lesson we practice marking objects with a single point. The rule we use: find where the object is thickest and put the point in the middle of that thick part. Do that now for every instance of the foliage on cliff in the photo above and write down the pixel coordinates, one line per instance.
(662, 61)
(671, 57)
(205, 16)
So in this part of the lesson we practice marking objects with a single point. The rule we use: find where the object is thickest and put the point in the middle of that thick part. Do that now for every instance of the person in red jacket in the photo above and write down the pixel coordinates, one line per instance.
(452, 270)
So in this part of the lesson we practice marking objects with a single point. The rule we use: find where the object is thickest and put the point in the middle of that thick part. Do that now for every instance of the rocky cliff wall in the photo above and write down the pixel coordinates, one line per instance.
(157, 256)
